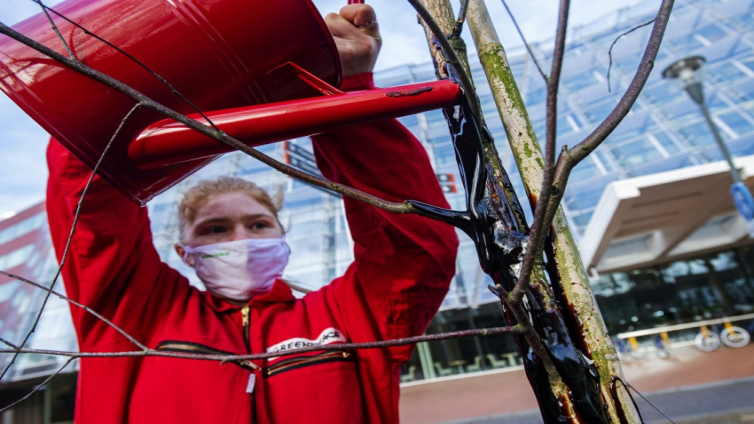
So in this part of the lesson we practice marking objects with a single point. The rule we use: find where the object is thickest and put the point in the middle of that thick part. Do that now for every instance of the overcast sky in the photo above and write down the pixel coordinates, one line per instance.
(22, 163)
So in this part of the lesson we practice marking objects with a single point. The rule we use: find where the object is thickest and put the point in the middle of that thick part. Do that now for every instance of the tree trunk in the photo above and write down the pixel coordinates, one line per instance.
(573, 294)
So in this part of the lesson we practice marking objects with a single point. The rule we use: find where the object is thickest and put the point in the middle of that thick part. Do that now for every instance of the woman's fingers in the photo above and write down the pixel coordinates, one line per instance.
(357, 37)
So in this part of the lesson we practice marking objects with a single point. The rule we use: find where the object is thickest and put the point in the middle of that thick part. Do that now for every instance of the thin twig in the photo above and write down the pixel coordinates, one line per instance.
(540, 226)
(603, 130)
(648, 401)
(453, 59)
(316, 348)
(40, 386)
(80, 203)
(461, 19)
(401, 208)
(610, 51)
(526, 43)
(569, 158)
(77, 304)
(6, 342)
(133, 59)
(55, 29)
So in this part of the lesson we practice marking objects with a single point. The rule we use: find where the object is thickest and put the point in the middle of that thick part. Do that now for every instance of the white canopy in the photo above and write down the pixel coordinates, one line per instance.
(655, 218)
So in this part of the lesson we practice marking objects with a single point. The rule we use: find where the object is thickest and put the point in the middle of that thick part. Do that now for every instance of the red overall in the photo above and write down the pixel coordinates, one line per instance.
(394, 287)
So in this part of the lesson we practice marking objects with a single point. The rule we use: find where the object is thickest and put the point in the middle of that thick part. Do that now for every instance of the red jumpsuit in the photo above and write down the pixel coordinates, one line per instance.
(402, 268)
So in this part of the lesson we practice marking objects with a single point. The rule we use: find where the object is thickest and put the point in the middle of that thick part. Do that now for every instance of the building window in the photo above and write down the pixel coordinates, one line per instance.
(16, 257)
(634, 153)
(749, 64)
(727, 73)
(736, 122)
(582, 80)
(445, 153)
(711, 33)
(697, 134)
(597, 112)
(688, 43)
(22, 228)
(662, 93)
(585, 170)
(536, 96)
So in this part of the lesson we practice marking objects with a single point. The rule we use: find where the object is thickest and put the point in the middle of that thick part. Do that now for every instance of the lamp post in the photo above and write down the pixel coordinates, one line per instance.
(688, 73)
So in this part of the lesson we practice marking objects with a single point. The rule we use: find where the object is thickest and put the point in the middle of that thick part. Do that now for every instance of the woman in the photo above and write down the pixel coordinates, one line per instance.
(401, 272)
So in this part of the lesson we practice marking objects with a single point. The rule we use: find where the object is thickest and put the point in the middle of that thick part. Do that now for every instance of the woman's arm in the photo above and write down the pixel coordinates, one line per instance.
(403, 263)
(112, 265)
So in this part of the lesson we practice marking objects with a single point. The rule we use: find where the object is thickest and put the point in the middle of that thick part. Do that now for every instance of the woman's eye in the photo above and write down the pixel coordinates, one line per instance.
(259, 225)
(214, 230)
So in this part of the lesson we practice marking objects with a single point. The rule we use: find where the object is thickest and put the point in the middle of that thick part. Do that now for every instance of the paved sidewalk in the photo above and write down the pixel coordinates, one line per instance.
(689, 385)
(728, 402)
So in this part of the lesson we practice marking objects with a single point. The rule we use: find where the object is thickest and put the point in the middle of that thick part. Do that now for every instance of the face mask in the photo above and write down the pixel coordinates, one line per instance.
(241, 269)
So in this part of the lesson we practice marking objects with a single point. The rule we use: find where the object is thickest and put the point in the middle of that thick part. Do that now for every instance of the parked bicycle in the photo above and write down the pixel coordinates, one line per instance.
(708, 340)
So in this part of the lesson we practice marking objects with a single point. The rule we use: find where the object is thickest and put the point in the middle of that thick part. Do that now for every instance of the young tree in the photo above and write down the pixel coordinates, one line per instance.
(570, 359)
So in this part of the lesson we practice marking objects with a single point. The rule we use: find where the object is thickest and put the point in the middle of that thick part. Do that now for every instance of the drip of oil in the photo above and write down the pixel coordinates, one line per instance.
(494, 220)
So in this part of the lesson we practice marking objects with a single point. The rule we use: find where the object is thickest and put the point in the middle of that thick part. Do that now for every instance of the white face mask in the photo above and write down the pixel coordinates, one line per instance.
(241, 269)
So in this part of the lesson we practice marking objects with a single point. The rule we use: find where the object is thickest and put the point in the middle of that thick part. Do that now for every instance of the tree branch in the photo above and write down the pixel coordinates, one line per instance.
(402, 208)
(55, 29)
(610, 51)
(70, 236)
(460, 20)
(316, 348)
(569, 158)
(131, 58)
(603, 130)
(526, 43)
(453, 59)
(540, 226)
(77, 304)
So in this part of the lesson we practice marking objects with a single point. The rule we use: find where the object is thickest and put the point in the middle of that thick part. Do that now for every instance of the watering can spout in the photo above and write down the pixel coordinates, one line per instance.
(168, 142)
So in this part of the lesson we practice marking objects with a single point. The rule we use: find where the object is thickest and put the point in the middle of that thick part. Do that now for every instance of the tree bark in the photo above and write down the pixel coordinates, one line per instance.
(573, 294)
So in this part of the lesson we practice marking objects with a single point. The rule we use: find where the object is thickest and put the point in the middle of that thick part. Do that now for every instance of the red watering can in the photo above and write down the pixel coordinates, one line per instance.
(263, 71)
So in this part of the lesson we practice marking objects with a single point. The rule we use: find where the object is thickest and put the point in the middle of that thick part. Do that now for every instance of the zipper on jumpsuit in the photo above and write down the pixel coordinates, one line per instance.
(246, 321)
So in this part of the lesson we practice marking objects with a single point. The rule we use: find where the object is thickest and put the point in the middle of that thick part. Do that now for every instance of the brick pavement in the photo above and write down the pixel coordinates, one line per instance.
(499, 394)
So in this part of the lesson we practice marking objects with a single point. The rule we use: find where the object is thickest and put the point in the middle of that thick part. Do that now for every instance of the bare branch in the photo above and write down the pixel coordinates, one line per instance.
(610, 51)
(70, 235)
(402, 208)
(628, 386)
(55, 28)
(540, 226)
(528, 47)
(581, 150)
(77, 304)
(6, 342)
(452, 57)
(40, 386)
(461, 19)
(316, 348)
(133, 59)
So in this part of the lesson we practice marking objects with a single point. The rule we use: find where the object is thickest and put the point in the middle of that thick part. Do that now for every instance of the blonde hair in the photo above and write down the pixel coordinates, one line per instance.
(198, 195)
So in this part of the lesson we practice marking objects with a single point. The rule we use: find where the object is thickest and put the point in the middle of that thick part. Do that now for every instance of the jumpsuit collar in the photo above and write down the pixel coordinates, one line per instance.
(279, 293)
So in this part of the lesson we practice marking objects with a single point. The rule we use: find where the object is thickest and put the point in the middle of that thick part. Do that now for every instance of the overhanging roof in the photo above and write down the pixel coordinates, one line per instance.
(654, 218)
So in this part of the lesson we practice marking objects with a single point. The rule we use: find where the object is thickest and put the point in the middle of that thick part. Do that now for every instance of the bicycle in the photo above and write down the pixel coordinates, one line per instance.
(731, 336)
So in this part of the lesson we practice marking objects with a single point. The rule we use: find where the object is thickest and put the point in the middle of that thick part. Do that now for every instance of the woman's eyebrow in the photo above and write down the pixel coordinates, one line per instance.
(257, 216)
(213, 220)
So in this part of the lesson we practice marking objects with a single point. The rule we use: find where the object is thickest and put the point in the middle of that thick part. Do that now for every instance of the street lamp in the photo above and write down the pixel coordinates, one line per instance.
(688, 73)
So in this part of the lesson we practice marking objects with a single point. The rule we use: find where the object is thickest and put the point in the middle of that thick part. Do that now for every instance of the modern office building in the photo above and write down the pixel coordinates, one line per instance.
(649, 208)
(26, 251)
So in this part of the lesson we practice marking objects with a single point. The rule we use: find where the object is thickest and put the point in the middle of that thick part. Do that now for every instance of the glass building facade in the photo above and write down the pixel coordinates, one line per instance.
(26, 251)
(664, 131)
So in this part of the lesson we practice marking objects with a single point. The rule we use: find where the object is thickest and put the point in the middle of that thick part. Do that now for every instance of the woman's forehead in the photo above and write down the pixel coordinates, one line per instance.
(234, 204)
